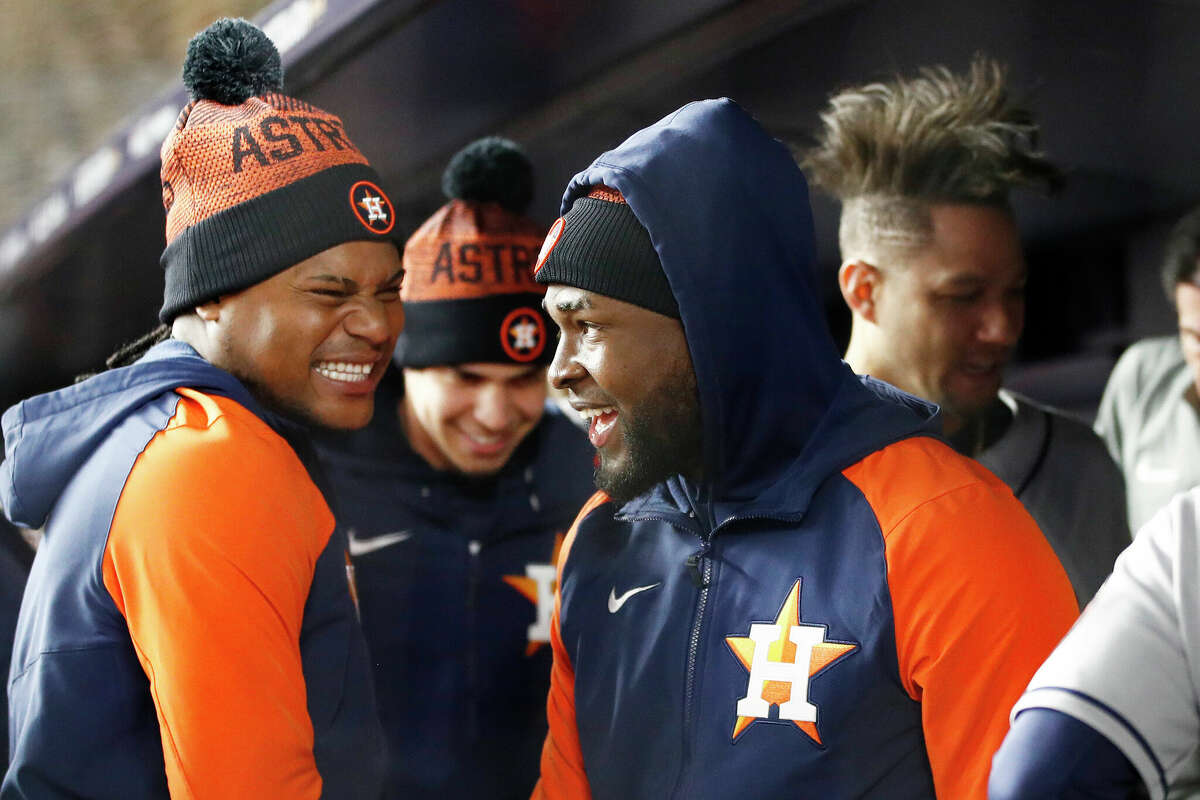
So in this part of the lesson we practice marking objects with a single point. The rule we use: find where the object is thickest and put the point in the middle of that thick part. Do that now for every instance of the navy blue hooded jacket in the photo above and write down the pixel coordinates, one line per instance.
(844, 607)
(455, 582)
(187, 629)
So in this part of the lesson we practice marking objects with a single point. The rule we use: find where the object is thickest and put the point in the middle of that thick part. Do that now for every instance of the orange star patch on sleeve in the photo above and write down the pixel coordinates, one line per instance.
(781, 657)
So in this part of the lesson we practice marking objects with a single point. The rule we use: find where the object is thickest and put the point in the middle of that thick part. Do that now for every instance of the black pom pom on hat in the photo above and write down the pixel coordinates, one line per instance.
(491, 170)
(231, 61)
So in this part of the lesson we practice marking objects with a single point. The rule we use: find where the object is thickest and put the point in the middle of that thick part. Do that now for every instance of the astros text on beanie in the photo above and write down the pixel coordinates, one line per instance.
(469, 294)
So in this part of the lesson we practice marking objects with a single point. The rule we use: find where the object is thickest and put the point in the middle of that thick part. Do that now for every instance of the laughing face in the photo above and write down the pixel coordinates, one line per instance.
(628, 372)
(312, 342)
(949, 319)
(470, 418)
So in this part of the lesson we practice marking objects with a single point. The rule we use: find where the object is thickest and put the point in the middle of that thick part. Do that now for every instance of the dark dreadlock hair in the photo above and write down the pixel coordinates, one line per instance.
(130, 352)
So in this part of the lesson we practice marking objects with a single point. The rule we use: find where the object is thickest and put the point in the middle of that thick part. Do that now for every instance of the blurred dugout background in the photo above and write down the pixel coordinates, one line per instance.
(88, 89)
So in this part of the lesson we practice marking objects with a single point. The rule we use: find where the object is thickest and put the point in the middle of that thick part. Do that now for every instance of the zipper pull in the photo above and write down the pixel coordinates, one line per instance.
(693, 565)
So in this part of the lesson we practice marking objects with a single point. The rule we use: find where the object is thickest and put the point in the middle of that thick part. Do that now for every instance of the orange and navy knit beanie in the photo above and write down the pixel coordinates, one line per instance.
(599, 245)
(469, 294)
(254, 181)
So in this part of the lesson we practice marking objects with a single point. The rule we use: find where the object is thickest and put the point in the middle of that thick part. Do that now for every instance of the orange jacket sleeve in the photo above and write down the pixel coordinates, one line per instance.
(563, 776)
(210, 558)
(978, 597)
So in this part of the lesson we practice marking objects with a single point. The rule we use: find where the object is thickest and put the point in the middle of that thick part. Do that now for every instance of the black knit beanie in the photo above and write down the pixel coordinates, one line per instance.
(254, 181)
(600, 246)
(469, 294)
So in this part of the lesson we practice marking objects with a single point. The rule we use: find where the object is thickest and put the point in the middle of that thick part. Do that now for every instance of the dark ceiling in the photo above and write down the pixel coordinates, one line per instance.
(1111, 83)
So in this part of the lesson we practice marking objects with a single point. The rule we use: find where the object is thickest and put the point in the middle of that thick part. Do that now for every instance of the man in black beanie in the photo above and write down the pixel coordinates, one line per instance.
(788, 584)
(188, 629)
(455, 498)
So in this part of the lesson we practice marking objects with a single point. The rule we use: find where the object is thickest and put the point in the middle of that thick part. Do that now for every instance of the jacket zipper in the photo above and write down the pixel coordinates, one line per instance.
(700, 568)
(473, 548)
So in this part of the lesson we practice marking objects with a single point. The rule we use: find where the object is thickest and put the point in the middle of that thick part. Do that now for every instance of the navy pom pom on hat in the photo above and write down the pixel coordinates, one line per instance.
(254, 181)
(469, 294)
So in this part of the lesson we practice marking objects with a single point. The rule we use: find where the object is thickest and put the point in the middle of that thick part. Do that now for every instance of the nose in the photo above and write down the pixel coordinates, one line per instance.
(1002, 321)
(493, 407)
(564, 369)
(375, 321)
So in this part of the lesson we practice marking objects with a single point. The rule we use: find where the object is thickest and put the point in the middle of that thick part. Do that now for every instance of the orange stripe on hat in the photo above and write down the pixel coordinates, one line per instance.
(602, 192)
(469, 250)
(222, 156)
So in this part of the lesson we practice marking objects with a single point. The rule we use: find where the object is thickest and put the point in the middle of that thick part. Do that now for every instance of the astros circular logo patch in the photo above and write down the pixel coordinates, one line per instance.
(551, 239)
(372, 207)
(523, 334)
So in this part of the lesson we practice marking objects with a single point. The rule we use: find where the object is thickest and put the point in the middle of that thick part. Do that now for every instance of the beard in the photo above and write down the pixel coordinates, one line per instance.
(661, 440)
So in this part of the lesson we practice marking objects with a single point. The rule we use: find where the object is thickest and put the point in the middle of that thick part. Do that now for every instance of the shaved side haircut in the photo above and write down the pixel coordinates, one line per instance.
(890, 150)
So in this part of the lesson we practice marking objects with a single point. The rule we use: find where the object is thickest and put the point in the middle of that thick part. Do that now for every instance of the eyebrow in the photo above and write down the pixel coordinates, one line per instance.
(570, 306)
(352, 285)
(348, 284)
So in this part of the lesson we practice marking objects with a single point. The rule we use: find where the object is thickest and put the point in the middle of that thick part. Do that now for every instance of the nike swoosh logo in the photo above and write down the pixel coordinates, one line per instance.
(360, 547)
(615, 603)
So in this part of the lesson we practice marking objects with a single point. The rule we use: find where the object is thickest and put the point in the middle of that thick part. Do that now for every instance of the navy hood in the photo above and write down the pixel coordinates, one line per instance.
(47, 438)
(728, 214)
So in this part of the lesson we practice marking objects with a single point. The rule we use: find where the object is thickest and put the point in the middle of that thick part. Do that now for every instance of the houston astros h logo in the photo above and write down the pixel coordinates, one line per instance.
(372, 207)
(523, 334)
(537, 586)
(782, 656)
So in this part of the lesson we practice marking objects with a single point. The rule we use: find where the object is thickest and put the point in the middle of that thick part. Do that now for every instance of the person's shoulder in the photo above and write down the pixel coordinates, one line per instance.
(224, 426)
(915, 471)
(1149, 357)
(933, 503)
(219, 479)
(1155, 347)
(1066, 429)
(213, 441)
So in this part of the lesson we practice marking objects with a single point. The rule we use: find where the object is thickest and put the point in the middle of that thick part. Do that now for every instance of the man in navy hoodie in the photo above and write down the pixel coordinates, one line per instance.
(188, 629)
(788, 585)
(456, 497)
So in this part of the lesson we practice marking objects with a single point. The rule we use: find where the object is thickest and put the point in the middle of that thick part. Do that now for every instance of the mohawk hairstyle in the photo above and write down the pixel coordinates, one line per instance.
(889, 150)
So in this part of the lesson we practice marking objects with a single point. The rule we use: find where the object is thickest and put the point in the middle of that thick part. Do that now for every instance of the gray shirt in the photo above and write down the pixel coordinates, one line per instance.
(1060, 471)
(1149, 420)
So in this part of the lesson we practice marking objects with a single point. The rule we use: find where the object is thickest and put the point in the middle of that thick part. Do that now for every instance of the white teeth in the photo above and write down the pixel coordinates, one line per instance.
(589, 413)
(488, 442)
(344, 371)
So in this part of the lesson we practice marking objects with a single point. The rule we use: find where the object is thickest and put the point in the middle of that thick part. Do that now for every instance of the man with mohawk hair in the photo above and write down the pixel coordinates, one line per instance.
(933, 273)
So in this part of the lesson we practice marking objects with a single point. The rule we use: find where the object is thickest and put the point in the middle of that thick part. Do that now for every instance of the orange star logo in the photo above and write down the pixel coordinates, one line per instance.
(781, 658)
(537, 586)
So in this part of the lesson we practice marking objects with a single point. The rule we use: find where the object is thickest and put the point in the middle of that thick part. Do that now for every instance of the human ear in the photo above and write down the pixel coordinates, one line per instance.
(859, 282)
(210, 311)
